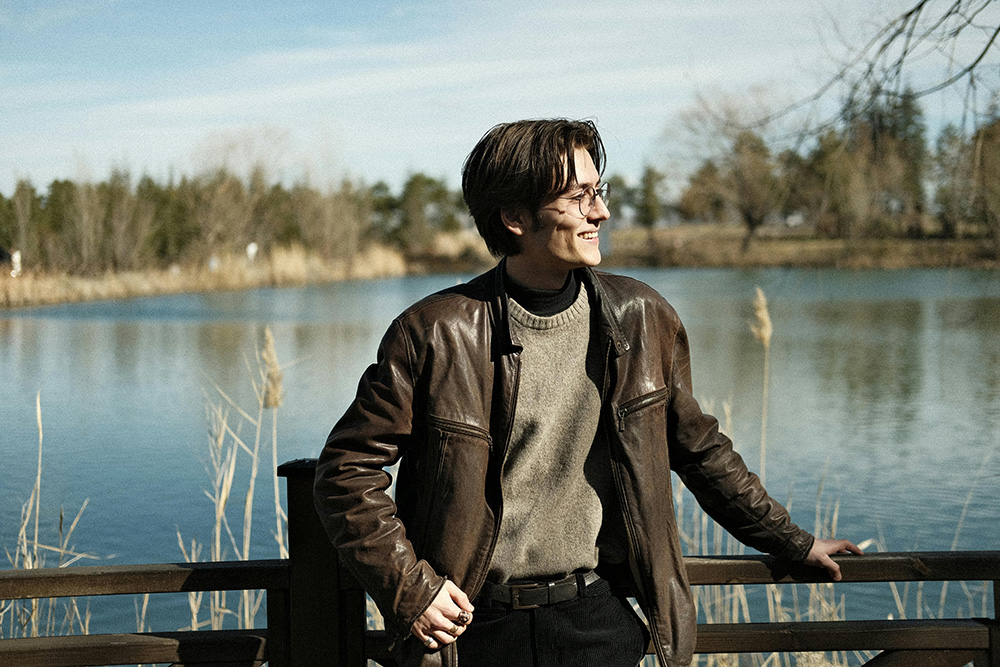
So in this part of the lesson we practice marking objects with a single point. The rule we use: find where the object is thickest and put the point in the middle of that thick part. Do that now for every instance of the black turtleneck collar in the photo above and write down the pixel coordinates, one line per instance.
(544, 302)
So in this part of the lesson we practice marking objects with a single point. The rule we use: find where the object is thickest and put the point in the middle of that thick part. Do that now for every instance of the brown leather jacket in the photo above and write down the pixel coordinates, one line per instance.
(440, 400)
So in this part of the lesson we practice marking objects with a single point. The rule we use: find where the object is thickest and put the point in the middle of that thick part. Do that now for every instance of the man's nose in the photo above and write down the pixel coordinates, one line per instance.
(599, 212)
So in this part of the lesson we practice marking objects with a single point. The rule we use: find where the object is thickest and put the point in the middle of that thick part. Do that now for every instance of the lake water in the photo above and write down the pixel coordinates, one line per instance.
(884, 392)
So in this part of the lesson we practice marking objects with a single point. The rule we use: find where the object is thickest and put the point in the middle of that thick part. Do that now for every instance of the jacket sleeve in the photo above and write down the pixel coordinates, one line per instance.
(718, 477)
(351, 487)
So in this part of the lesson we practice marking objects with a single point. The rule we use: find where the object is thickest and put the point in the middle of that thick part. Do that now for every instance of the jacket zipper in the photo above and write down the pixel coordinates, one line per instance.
(637, 404)
(459, 427)
(614, 447)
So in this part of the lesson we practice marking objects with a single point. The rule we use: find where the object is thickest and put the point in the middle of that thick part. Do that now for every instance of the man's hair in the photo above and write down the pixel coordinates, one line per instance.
(516, 166)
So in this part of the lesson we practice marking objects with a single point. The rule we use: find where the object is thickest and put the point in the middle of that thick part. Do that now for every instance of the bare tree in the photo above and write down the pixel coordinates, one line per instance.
(222, 211)
(954, 175)
(129, 222)
(951, 43)
(332, 223)
(84, 218)
(961, 32)
(24, 205)
(738, 171)
(986, 164)
(353, 211)
(752, 183)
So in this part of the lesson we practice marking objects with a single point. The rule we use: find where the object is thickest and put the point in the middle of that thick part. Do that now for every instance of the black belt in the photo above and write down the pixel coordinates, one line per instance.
(537, 594)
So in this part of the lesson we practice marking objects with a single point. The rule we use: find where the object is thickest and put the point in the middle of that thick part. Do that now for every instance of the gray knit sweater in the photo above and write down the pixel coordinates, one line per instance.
(556, 474)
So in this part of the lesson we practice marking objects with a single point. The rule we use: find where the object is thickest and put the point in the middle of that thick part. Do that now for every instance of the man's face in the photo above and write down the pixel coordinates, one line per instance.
(558, 239)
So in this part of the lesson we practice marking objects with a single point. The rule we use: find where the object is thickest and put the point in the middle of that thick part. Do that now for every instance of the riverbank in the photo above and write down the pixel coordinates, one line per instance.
(720, 246)
(282, 267)
(683, 246)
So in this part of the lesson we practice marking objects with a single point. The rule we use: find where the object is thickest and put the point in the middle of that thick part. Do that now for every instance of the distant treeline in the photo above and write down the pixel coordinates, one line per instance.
(120, 224)
(873, 176)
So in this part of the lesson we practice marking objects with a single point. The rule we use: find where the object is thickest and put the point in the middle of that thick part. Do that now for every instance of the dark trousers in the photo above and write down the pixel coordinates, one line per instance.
(597, 629)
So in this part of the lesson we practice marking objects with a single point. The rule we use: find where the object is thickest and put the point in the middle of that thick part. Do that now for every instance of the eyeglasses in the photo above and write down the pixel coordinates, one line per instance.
(585, 200)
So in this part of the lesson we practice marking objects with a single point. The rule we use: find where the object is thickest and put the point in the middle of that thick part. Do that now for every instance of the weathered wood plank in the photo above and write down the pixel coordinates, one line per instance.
(236, 575)
(842, 636)
(909, 566)
(134, 579)
(309, 627)
(880, 567)
(236, 647)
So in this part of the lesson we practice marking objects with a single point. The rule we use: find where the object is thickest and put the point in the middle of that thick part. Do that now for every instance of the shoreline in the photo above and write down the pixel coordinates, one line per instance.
(687, 246)
(283, 267)
(717, 246)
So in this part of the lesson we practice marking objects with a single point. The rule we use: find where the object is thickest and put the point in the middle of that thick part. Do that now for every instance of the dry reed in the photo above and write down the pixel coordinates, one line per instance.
(227, 449)
(283, 266)
(699, 535)
(762, 331)
(730, 603)
(35, 617)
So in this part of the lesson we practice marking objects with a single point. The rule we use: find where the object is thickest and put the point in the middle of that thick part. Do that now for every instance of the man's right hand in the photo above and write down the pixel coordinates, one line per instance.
(445, 619)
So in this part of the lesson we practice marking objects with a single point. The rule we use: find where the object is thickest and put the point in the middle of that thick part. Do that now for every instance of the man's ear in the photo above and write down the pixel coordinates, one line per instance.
(516, 220)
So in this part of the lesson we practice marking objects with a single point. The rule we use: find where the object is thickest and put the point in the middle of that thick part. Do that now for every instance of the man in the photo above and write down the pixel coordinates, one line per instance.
(536, 413)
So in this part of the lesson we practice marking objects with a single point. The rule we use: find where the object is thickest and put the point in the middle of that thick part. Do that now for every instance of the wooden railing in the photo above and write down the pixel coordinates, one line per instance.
(316, 612)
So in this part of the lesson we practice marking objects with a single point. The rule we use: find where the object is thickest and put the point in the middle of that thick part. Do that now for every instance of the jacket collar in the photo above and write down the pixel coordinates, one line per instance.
(608, 323)
(498, 309)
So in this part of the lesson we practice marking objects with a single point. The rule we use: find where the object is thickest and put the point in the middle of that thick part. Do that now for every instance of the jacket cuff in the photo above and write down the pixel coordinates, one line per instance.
(797, 548)
(404, 624)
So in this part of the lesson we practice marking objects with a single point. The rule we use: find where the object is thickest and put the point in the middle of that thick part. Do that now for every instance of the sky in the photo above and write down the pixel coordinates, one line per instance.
(374, 91)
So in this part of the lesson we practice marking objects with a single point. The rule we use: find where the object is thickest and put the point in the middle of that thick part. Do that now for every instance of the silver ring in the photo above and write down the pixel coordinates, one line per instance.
(464, 617)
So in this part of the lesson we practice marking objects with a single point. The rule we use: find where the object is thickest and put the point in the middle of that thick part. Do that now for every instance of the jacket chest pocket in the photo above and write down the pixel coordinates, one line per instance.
(642, 434)
(452, 510)
(651, 403)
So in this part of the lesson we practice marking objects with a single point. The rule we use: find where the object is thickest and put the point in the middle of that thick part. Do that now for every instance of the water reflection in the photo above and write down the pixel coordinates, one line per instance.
(871, 354)
(883, 391)
(885, 388)
(970, 359)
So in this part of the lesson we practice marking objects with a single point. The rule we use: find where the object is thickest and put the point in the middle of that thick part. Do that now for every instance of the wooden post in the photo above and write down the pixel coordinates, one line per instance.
(278, 630)
(315, 623)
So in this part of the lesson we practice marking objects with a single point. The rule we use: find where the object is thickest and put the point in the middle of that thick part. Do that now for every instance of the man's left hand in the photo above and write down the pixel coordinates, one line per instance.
(819, 555)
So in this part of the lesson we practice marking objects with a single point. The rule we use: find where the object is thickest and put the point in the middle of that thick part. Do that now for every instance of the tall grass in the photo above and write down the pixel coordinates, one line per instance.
(50, 616)
(236, 438)
(239, 438)
(762, 330)
(289, 265)
(231, 445)
(732, 603)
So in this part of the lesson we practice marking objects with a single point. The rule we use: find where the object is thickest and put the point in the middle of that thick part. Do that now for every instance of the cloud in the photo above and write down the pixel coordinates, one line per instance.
(40, 16)
(409, 87)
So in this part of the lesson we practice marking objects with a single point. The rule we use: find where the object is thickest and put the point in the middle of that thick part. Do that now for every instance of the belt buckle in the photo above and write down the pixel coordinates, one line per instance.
(515, 595)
